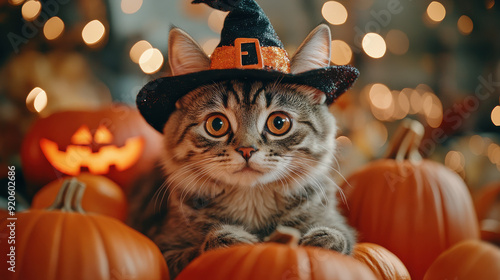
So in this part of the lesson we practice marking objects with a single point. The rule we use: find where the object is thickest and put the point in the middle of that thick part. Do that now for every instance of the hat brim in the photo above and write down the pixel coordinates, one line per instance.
(156, 100)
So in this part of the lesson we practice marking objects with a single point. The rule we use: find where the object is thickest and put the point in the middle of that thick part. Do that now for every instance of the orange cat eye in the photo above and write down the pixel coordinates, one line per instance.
(279, 123)
(217, 125)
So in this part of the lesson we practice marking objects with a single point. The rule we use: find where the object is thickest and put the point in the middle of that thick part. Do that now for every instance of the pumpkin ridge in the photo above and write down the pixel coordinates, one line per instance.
(104, 243)
(60, 226)
(23, 241)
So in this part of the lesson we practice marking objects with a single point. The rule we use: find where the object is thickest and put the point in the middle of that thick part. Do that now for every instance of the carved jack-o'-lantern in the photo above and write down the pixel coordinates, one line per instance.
(115, 142)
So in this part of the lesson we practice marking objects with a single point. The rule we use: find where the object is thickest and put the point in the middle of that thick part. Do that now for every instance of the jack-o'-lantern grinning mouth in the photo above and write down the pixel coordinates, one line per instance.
(81, 155)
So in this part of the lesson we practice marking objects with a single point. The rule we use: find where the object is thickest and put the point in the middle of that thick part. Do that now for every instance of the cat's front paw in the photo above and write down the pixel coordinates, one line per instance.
(227, 235)
(327, 238)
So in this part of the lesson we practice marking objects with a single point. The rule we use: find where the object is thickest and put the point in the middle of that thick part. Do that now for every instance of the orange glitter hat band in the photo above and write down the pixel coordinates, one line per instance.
(248, 54)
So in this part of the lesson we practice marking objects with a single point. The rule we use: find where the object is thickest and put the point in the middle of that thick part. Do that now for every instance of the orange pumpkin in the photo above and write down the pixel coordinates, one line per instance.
(414, 208)
(101, 196)
(115, 142)
(384, 264)
(467, 260)
(63, 243)
(270, 261)
(487, 203)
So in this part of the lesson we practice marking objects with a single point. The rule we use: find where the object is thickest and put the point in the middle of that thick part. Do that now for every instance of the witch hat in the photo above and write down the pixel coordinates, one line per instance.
(249, 49)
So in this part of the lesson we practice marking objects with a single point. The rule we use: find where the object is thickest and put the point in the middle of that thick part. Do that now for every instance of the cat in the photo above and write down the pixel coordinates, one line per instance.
(242, 157)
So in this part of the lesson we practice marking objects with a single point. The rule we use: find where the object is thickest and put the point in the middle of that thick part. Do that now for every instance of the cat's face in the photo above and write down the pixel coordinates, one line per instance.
(248, 133)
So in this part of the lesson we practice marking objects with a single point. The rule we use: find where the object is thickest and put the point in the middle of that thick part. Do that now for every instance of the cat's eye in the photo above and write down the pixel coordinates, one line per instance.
(217, 125)
(278, 123)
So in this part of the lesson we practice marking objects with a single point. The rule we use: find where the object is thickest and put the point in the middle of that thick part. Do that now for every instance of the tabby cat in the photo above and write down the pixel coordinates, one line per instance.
(242, 157)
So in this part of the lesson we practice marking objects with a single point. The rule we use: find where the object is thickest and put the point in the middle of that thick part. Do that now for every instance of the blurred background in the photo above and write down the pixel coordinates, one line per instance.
(437, 62)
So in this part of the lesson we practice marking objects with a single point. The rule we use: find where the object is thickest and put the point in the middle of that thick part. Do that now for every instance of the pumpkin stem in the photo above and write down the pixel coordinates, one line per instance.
(285, 235)
(69, 197)
(406, 140)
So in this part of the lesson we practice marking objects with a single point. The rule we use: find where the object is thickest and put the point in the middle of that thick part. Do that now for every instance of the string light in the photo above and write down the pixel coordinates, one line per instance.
(93, 32)
(138, 49)
(31, 10)
(465, 25)
(334, 12)
(397, 42)
(53, 28)
(495, 116)
(374, 45)
(36, 100)
(341, 52)
(131, 6)
(151, 61)
(380, 96)
(436, 11)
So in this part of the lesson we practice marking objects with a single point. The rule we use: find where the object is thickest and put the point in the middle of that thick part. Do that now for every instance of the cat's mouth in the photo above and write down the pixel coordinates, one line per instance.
(248, 169)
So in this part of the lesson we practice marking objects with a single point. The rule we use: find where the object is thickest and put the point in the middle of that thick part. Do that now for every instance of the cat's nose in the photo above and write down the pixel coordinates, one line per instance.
(246, 152)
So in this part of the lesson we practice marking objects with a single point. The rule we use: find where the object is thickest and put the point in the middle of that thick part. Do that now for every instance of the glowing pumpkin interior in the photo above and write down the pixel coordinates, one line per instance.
(79, 154)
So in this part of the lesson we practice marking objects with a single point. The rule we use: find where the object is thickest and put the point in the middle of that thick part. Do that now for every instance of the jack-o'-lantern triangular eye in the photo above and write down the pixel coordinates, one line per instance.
(82, 136)
(103, 135)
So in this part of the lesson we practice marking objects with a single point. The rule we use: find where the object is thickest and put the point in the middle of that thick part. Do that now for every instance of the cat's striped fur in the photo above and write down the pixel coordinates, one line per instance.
(208, 198)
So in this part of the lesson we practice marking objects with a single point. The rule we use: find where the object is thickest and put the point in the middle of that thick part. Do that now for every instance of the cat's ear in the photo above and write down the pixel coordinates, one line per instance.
(314, 52)
(184, 54)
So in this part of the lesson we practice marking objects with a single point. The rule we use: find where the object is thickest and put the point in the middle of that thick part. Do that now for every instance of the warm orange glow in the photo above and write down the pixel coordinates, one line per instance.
(380, 96)
(465, 25)
(341, 52)
(433, 109)
(477, 145)
(210, 45)
(455, 161)
(402, 105)
(216, 20)
(93, 32)
(495, 116)
(103, 135)
(344, 142)
(75, 157)
(397, 42)
(415, 102)
(53, 28)
(31, 10)
(36, 100)
(131, 6)
(436, 11)
(494, 153)
(138, 49)
(490, 4)
(151, 61)
(82, 136)
(374, 45)
(16, 2)
(334, 12)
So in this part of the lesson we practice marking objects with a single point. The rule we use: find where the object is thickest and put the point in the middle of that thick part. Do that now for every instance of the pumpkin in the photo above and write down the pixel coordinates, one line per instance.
(384, 264)
(487, 203)
(62, 242)
(101, 196)
(115, 142)
(270, 261)
(467, 260)
(415, 208)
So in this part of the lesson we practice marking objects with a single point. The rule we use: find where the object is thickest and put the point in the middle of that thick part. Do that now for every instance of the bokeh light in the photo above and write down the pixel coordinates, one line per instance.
(455, 160)
(341, 52)
(216, 20)
(131, 6)
(138, 49)
(53, 28)
(36, 100)
(334, 12)
(209, 45)
(490, 4)
(374, 45)
(465, 25)
(16, 2)
(494, 153)
(151, 61)
(31, 10)
(495, 116)
(477, 145)
(436, 11)
(433, 109)
(93, 32)
(380, 96)
(397, 42)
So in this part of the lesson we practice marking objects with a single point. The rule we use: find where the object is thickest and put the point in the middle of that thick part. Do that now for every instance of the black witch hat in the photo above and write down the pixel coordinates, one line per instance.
(249, 49)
